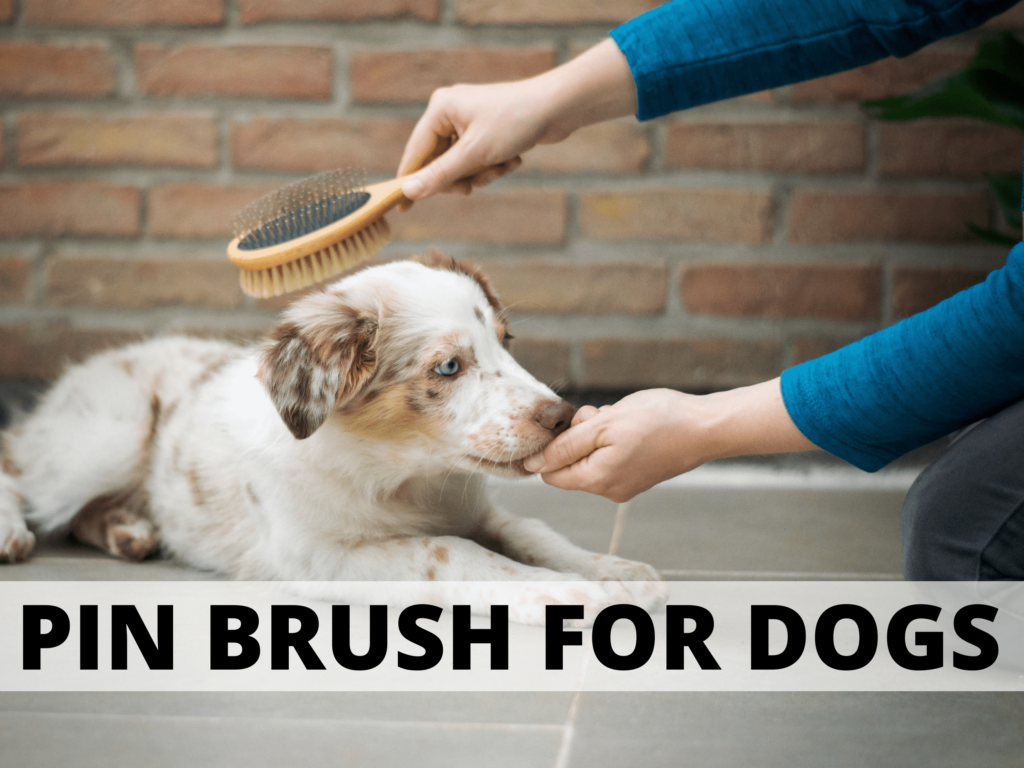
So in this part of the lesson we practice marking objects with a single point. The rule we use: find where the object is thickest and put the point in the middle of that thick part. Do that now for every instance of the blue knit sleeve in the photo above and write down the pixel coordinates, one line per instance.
(918, 380)
(691, 52)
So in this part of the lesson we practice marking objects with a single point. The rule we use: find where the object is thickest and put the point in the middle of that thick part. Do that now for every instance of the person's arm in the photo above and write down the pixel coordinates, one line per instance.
(867, 403)
(621, 450)
(691, 52)
(679, 55)
(911, 383)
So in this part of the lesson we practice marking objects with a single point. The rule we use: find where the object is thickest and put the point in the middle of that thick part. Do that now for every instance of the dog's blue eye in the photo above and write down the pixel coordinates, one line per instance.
(448, 368)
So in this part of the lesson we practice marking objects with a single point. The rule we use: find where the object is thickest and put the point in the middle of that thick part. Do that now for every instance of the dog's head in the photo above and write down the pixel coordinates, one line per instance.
(412, 353)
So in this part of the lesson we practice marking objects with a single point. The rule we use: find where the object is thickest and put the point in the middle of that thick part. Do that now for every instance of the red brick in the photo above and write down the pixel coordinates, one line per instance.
(42, 69)
(830, 217)
(68, 208)
(719, 215)
(65, 139)
(312, 145)
(123, 13)
(546, 359)
(614, 147)
(15, 277)
(915, 289)
(547, 12)
(816, 147)
(282, 71)
(513, 216)
(1011, 19)
(763, 290)
(411, 76)
(535, 286)
(963, 148)
(135, 284)
(700, 364)
(805, 349)
(44, 352)
(6, 11)
(199, 210)
(888, 77)
(254, 11)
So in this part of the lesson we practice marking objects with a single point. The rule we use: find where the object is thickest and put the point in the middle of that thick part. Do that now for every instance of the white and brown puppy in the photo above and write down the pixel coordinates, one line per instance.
(346, 448)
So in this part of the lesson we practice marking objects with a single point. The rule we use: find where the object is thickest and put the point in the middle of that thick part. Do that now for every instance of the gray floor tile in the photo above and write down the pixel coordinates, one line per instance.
(835, 531)
(587, 520)
(84, 741)
(548, 708)
(794, 730)
(103, 568)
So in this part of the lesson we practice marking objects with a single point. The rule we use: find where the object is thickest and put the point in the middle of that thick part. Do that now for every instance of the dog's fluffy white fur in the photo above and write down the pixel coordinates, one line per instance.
(348, 447)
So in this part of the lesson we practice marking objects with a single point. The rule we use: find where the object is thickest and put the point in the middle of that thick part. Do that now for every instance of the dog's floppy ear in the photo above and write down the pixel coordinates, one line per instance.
(319, 357)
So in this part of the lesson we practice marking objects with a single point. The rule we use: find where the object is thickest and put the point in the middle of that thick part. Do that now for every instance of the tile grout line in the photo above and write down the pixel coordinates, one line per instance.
(312, 721)
(619, 525)
(569, 729)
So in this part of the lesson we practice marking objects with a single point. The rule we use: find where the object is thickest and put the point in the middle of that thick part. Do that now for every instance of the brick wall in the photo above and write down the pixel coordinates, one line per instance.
(704, 250)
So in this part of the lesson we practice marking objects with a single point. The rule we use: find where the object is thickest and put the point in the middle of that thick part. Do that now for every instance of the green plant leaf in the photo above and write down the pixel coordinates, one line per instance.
(1004, 54)
(1007, 190)
(992, 236)
(990, 88)
(959, 96)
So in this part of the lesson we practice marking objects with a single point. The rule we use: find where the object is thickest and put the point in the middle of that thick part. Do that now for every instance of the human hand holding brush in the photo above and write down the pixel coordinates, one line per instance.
(495, 124)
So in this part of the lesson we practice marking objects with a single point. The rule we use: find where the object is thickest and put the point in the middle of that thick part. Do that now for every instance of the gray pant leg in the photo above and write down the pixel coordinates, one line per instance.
(963, 519)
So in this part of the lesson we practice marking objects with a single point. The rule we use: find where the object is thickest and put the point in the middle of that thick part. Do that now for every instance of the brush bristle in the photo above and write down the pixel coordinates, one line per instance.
(312, 269)
(300, 208)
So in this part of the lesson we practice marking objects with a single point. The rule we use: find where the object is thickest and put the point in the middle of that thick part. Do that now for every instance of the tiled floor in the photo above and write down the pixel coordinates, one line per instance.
(721, 526)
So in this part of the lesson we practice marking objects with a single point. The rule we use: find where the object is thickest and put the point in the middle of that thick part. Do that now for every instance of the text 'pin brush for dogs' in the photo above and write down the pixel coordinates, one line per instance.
(315, 228)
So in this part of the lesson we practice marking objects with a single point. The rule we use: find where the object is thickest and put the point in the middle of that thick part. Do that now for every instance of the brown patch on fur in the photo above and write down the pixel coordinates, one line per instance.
(199, 496)
(478, 313)
(118, 523)
(128, 366)
(7, 464)
(435, 259)
(440, 554)
(312, 369)
(252, 494)
(155, 407)
(431, 573)
(391, 416)
(488, 441)
(212, 369)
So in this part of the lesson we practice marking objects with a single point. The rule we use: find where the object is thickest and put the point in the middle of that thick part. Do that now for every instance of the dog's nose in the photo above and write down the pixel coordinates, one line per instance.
(556, 417)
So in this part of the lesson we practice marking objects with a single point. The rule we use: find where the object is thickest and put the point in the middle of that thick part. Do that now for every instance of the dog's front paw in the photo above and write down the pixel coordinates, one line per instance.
(16, 541)
(638, 583)
(532, 600)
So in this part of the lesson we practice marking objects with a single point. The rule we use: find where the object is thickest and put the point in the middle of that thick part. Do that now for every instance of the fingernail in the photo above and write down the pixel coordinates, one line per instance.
(412, 188)
(534, 463)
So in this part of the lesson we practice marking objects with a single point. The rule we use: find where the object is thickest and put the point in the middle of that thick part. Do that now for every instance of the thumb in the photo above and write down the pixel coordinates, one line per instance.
(440, 174)
(568, 448)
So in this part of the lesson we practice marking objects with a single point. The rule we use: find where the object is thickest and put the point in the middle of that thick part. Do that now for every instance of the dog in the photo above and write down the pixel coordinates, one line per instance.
(352, 445)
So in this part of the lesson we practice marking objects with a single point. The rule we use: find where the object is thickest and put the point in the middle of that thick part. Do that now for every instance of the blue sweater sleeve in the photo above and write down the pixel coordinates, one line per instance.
(691, 52)
(924, 377)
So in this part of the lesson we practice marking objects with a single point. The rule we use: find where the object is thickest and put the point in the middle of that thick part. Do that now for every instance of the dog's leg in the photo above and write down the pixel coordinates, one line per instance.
(16, 540)
(531, 541)
(443, 571)
(117, 526)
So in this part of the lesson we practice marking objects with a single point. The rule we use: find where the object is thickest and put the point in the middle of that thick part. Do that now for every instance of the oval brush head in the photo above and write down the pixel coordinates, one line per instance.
(310, 230)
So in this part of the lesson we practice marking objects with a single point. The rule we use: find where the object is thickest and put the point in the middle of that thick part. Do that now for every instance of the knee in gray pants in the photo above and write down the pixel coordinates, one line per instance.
(963, 519)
